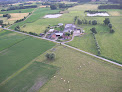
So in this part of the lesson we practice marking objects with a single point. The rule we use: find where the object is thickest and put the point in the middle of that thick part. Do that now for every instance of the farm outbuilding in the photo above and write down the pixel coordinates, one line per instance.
(60, 24)
(51, 30)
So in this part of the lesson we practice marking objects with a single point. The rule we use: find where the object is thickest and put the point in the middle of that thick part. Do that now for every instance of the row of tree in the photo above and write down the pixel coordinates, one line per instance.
(107, 22)
(93, 12)
(19, 7)
(96, 42)
(60, 5)
(84, 21)
(110, 7)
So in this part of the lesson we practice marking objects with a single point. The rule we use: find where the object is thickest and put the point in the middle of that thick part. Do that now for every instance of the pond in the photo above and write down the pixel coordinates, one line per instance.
(52, 16)
(98, 14)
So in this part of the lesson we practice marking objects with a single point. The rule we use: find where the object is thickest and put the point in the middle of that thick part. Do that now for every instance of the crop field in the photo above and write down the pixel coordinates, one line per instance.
(84, 73)
(8, 39)
(31, 79)
(17, 11)
(14, 17)
(17, 16)
(21, 53)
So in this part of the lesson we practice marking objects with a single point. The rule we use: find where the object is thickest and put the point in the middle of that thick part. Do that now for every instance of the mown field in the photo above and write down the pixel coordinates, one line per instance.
(84, 73)
(31, 79)
(20, 52)
(17, 11)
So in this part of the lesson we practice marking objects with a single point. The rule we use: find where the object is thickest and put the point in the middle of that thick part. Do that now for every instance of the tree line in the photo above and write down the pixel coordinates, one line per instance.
(61, 5)
(19, 7)
(93, 12)
(110, 7)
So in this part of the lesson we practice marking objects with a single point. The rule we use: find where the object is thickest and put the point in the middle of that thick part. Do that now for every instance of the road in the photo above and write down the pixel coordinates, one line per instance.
(70, 47)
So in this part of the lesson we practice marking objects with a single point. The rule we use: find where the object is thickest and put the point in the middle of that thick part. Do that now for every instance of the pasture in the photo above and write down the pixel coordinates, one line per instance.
(110, 44)
(81, 73)
(31, 79)
(20, 53)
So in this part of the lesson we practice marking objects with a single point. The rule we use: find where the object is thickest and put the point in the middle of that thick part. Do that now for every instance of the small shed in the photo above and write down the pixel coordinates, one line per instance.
(51, 30)
(0, 26)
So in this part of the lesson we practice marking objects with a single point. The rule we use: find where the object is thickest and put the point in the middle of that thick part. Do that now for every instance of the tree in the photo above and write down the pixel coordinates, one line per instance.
(112, 31)
(110, 25)
(79, 22)
(94, 22)
(67, 34)
(62, 5)
(1, 22)
(75, 18)
(53, 7)
(94, 30)
(90, 22)
(46, 30)
(17, 28)
(50, 56)
(8, 16)
(85, 21)
(106, 21)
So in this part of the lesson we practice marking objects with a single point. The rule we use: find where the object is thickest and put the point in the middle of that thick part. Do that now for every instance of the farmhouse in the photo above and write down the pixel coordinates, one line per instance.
(69, 28)
(66, 37)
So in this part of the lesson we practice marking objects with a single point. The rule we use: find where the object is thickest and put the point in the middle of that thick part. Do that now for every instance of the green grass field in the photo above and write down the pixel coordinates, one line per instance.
(93, 76)
(17, 11)
(31, 79)
(110, 44)
(21, 53)
(8, 39)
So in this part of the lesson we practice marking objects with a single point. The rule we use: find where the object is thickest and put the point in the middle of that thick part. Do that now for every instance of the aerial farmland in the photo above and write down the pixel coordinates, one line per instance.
(60, 46)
